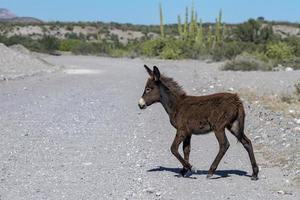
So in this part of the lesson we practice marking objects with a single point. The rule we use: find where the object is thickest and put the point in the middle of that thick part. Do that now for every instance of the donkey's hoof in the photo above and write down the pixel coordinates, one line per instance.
(208, 176)
(188, 174)
(183, 172)
(254, 178)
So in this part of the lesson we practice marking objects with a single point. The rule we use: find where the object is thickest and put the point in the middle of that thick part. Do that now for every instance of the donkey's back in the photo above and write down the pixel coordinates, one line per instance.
(202, 114)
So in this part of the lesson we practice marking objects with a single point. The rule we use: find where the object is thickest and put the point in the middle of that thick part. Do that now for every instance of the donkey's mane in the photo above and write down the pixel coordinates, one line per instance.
(172, 85)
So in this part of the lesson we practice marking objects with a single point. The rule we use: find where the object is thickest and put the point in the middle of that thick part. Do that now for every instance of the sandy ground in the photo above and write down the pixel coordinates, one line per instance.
(79, 134)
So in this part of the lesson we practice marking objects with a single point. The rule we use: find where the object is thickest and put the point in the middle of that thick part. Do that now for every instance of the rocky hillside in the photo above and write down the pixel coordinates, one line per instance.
(8, 16)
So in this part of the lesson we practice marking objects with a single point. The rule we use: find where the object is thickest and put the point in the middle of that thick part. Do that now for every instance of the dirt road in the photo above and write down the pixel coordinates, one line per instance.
(79, 134)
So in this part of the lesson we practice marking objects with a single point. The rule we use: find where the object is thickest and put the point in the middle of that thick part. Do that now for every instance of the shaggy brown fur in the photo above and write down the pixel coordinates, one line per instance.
(198, 115)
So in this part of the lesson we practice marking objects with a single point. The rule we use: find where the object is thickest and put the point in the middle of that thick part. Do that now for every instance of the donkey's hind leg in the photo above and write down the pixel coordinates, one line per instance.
(237, 131)
(248, 146)
(223, 146)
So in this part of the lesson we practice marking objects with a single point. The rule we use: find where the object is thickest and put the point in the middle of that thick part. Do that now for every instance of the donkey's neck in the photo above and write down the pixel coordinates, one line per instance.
(169, 100)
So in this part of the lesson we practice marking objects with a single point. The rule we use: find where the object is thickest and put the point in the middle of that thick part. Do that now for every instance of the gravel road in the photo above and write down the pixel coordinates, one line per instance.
(79, 134)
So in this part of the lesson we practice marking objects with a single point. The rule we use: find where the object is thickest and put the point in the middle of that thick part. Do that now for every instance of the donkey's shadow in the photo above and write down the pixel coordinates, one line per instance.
(219, 173)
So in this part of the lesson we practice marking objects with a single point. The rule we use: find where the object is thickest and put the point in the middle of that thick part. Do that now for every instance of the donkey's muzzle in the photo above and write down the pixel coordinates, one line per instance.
(142, 104)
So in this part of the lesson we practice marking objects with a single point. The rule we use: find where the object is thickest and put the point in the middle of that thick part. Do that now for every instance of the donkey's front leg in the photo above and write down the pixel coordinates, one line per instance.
(186, 147)
(180, 136)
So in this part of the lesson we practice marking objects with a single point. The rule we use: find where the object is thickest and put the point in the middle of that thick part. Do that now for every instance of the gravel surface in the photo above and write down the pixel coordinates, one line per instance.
(79, 134)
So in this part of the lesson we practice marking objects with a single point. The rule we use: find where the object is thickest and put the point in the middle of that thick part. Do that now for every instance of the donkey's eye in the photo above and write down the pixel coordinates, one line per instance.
(148, 90)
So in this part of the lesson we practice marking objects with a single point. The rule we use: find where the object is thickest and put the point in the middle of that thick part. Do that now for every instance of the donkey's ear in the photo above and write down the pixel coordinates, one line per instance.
(150, 72)
(156, 73)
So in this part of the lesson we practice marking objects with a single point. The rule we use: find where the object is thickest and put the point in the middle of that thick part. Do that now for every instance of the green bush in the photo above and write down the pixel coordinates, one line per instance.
(253, 31)
(170, 53)
(292, 62)
(227, 51)
(29, 43)
(297, 87)
(247, 62)
(117, 53)
(91, 48)
(279, 51)
(68, 45)
(152, 48)
(49, 43)
(294, 42)
(84, 48)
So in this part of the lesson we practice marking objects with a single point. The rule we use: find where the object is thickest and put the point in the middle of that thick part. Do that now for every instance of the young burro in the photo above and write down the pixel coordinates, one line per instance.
(195, 115)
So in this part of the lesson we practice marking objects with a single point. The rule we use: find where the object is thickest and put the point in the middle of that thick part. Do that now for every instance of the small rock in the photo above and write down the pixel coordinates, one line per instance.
(257, 137)
(230, 89)
(297, 129)
(280, 192)
(291, 111)
(297, 121)
(288, 69)
(158, 194)
(87, 163)
(211, 86)
(150, 190)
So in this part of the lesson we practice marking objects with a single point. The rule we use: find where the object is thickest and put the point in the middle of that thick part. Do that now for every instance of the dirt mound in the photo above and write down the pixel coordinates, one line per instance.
(18, 62)
(20, 48)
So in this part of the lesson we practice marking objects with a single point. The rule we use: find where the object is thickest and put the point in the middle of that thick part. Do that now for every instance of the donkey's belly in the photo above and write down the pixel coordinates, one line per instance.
(202, 130)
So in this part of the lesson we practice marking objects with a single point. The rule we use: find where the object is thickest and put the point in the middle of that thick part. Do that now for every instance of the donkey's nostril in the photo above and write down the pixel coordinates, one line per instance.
(142, 103)
(142, 106)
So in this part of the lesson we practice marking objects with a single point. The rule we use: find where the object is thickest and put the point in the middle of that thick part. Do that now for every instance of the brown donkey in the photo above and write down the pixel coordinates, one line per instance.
(198, 115)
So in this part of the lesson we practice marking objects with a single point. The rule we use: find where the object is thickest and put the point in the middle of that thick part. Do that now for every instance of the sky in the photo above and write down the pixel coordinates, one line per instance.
(147, 11)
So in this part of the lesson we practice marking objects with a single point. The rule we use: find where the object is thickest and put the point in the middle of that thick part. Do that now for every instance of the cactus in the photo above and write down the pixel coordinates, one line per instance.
(179, 26)
(199, 36)
(186, 22)
(210, 38)
(162, 34)
(218, 33)
(193, 24)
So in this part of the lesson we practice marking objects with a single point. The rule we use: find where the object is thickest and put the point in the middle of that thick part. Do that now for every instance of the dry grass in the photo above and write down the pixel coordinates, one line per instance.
(288, 104)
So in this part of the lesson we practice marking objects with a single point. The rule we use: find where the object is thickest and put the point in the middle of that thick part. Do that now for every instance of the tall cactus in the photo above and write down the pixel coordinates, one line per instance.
(218, 32)
(179, 26)
(199, 36)
(186, 23)
(193, 24)
(162, 34)
(210, 37)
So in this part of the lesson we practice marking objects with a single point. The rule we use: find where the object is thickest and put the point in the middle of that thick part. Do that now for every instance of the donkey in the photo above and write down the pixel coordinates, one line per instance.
(198, 115)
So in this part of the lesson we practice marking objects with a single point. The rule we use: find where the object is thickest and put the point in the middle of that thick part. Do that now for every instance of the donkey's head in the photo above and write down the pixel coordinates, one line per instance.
(151, 92)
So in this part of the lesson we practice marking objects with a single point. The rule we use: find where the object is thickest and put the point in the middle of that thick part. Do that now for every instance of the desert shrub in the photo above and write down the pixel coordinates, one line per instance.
(68, 45)
(253, 31)
(91, 48)
(227, 51)
(72, 36)
(170, 53)
(84, 48)
(49, 43)
(297, 87)
(116, 53)
(279, 51)
(26, 41)
(294, 42)
(247, 62)
(293, 62)
(69, 27)
(152, 48)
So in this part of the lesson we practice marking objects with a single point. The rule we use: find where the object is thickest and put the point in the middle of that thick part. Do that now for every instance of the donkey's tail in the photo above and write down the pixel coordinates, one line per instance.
(241, 121)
